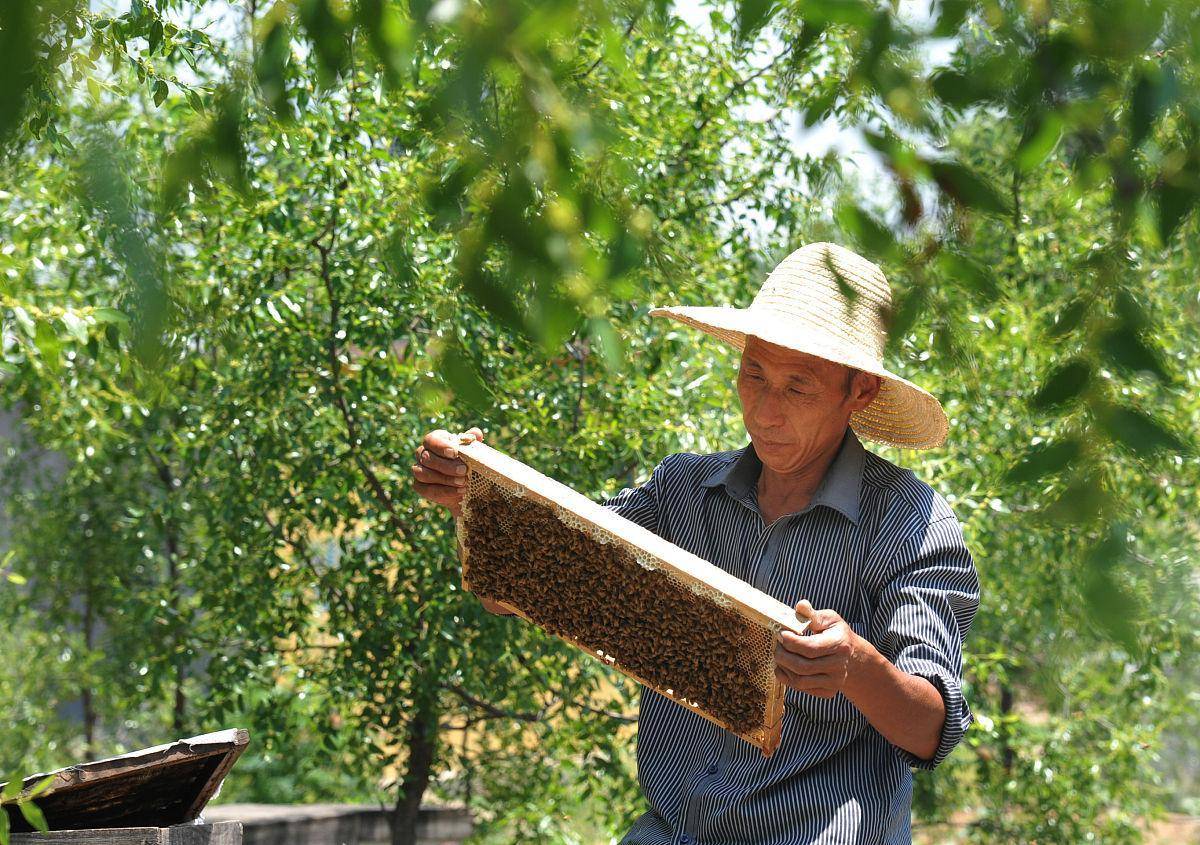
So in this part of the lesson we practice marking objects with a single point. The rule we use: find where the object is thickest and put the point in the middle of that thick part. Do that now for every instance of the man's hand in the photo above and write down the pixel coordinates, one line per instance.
(906, 709)
(440, 476)
(820, 664)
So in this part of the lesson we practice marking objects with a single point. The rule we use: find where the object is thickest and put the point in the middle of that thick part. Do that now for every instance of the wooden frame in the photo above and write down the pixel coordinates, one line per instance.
(750, 602)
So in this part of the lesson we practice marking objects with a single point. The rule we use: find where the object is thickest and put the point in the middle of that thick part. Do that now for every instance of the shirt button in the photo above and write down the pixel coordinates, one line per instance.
(712, 768)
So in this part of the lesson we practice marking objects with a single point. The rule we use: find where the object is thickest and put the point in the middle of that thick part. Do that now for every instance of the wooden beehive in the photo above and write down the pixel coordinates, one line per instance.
(141, 796)
(656, 612)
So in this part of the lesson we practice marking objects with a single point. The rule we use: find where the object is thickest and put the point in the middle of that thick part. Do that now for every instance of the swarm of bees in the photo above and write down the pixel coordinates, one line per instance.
(643, 620)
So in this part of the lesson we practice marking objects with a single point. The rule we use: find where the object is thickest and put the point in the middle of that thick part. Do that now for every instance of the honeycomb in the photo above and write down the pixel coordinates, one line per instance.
(620, 602)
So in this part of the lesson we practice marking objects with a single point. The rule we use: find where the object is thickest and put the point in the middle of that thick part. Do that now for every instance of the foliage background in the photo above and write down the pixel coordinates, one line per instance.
(251, 252)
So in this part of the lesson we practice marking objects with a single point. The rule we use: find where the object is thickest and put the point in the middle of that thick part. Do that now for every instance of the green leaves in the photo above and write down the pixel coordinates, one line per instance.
(958, 182)
(1125, 348)
(49, 346)
(951, 14)
(1064, 385)
(11, 796)
(1070, 318)
(752, 16)
(1044, 459)
(850, 12)
(1042, 134)
(110, 316)
(274, 36)
(75, 328)
(329, 35)
(1155, 87)
(1137, 431)
(1111, 605)
(389, 34)
(873, 236)
(24, 321)
(33, 814)
(968, 188)
(462, 375)
(214, 147)
(105, 188)
(18, 40)
(970, 274)
(1177, 193)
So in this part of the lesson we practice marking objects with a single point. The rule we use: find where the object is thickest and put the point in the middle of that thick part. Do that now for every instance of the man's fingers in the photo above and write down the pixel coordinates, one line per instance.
(804, 682)
(798, 665)
(441, 442)
(429, 476)
(438, 493)
(445, 466)
(819, 685)
(818, 620)
(817, 645)
(440, 475)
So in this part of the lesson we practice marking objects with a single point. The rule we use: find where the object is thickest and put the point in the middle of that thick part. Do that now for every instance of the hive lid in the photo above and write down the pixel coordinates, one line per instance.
(154, 787)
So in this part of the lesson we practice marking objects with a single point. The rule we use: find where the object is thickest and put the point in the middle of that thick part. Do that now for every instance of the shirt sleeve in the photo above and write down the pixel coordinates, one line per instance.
(922, 617)
(641, 504)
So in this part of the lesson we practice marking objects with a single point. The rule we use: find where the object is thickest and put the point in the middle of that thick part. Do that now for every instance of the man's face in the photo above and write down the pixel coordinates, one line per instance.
(796, 405)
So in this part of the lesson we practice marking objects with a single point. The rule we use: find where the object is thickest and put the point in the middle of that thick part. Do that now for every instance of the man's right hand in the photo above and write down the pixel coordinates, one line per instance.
(440, 476)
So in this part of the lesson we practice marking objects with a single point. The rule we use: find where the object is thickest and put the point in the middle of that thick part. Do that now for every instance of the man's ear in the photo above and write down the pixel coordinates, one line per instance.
(866, 388)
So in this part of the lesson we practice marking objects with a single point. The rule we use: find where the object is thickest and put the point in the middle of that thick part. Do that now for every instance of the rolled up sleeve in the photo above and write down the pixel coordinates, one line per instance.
(922, 618)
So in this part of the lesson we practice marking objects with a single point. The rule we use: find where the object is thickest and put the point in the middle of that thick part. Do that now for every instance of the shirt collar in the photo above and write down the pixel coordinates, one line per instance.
(840, 489)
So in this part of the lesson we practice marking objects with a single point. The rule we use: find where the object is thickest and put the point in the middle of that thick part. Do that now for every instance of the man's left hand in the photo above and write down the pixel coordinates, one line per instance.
(819, 664)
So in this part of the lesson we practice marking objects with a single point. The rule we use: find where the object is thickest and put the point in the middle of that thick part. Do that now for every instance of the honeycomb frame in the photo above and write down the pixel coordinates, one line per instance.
(603, 525)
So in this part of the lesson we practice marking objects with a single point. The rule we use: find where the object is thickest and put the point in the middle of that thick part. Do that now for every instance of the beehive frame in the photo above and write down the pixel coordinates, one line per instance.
(515, 479)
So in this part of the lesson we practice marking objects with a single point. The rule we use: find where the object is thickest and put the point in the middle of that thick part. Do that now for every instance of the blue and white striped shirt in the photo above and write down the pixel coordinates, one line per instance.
(885, 551)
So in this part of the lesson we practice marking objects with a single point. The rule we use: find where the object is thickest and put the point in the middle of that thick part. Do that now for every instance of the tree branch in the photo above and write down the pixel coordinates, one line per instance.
(628, 29)
(736, 88)
(545, 682)
(353, 441)
(492, 710)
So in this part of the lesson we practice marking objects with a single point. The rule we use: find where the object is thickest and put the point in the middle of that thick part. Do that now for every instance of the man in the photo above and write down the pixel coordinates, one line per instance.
(806, 514)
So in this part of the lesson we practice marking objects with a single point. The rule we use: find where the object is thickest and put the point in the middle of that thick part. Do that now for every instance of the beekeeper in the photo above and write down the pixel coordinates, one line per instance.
(870, 554)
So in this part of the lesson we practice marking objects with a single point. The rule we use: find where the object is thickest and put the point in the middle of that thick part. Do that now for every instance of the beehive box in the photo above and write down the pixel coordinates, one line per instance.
(655, 611)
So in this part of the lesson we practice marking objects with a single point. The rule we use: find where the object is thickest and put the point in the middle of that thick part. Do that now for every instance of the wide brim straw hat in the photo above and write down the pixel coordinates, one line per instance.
(829, 301)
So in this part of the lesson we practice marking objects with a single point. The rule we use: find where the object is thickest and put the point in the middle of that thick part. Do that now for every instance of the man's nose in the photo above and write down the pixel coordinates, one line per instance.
(770, 410)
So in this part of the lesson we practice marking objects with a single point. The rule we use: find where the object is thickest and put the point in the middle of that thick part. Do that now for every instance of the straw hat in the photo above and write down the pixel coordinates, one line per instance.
(805, 305)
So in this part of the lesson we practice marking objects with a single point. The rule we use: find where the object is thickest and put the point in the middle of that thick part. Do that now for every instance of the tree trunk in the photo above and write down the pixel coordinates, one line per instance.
(422, 747)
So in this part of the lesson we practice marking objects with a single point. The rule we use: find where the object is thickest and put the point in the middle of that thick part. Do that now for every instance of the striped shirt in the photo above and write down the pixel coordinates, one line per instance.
(885, 551)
